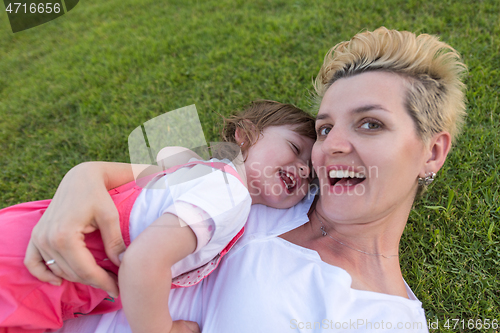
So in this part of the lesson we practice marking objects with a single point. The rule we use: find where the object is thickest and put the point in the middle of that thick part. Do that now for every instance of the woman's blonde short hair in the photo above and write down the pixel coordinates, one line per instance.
(433, 71)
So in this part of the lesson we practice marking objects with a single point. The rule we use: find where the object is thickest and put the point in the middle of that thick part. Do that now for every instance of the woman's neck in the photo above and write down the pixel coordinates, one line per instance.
(371, 236)
(374, 239)
(368, 251)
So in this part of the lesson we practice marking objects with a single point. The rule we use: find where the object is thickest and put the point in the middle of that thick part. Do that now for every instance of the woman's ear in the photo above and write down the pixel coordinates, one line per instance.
(439, 147)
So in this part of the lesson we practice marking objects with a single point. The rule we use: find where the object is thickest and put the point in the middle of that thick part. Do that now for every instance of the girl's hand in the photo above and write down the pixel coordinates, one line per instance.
(184, 326)
(80, 206)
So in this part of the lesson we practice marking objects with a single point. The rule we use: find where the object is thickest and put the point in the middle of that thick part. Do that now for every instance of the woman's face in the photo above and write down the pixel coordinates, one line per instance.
(368, 154)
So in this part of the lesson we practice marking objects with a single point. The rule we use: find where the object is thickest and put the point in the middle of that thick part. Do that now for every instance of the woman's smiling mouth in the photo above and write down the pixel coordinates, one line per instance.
(345, 178)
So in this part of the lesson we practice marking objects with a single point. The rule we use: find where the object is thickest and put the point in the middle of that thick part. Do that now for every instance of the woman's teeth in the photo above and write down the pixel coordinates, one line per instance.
(345, 174)
(345, 177)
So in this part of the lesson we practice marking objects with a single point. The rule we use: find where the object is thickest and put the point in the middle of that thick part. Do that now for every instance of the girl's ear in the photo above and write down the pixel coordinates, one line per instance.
(439, 147)
(246, 133)
(240, 135)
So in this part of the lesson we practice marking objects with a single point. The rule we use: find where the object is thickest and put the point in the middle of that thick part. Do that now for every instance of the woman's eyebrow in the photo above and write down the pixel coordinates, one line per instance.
(322, 116)
(361, 109)
(369, 107)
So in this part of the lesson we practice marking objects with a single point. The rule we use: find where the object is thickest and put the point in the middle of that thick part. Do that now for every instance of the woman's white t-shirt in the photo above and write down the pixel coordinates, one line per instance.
(267, 284)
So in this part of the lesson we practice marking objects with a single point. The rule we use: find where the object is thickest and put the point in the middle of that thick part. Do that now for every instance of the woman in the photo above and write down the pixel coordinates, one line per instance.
(391, 104)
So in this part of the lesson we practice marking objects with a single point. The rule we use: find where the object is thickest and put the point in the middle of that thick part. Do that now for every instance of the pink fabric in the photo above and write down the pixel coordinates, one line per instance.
(29, 305)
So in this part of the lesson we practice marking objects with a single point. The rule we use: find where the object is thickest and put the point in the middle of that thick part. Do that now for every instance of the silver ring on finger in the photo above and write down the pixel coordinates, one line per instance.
(50, 262)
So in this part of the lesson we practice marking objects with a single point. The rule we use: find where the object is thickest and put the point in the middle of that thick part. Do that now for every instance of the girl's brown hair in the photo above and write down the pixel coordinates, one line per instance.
(264, 113)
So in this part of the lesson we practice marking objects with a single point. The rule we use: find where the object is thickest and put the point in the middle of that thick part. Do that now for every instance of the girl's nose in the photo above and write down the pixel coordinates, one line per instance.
(304, 169)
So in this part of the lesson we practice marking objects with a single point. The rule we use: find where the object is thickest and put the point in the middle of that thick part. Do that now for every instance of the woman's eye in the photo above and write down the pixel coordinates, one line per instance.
(322, 131)
(295, 148)
(371, 125)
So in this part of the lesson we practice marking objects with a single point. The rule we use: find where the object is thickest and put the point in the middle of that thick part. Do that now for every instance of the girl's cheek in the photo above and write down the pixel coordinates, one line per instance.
(255, 168)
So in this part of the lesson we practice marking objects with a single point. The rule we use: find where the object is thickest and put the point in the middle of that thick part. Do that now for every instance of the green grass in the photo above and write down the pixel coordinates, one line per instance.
(73, 89)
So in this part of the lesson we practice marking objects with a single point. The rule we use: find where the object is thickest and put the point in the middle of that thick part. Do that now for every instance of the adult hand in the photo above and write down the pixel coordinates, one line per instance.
(80, 205)
(184, 326)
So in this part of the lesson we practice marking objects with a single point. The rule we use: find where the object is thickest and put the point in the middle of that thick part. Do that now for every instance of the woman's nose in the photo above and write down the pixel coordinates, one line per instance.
(336, 142)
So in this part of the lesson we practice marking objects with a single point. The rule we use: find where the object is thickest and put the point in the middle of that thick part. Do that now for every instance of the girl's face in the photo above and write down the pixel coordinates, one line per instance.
(368, 155)
(277, 167)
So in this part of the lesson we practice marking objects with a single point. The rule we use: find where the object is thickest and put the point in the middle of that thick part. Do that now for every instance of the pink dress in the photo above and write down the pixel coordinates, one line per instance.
(29, 305)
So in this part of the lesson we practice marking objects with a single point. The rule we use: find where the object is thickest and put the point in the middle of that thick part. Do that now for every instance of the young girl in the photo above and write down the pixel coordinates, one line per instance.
(212, 197)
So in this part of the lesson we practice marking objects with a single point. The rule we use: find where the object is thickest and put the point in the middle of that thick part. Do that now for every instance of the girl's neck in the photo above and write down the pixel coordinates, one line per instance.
(239, 164)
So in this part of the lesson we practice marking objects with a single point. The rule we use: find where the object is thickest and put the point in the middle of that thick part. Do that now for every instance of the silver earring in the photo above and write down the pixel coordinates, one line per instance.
(241, 144)
(427, 180)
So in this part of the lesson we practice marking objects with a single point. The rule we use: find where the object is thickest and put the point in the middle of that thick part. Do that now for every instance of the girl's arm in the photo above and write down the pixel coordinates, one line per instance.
(145, 273)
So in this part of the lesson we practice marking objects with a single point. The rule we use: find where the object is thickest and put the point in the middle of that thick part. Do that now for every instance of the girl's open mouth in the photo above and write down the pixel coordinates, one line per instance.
(289, 180)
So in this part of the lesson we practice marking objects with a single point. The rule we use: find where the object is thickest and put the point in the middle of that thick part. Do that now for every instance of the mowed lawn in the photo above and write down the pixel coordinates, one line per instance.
(73, 89)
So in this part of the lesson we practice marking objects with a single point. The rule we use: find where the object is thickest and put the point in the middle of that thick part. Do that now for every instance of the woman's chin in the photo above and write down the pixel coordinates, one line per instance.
(344, 205)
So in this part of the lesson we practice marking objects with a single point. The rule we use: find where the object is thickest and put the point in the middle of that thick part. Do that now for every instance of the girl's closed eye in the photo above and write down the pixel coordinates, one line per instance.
(295, 148)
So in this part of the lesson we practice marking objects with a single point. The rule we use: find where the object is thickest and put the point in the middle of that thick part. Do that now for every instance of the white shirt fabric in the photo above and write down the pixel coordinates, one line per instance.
(266, 284)
(214, 203)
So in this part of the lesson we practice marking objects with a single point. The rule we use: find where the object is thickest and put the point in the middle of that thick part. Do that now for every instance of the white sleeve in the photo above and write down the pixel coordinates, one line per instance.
(221, 195)
(198, 220)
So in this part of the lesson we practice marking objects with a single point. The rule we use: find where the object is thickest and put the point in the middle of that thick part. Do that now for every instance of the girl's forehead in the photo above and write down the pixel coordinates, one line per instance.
(288, 132)
(282, 129)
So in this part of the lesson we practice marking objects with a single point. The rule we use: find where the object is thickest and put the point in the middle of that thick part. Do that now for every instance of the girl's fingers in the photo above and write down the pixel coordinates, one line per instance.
(184, 326)
(193, 326)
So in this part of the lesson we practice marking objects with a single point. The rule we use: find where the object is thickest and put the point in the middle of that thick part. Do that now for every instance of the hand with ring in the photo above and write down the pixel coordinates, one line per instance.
(50, 262)
(80, 205)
